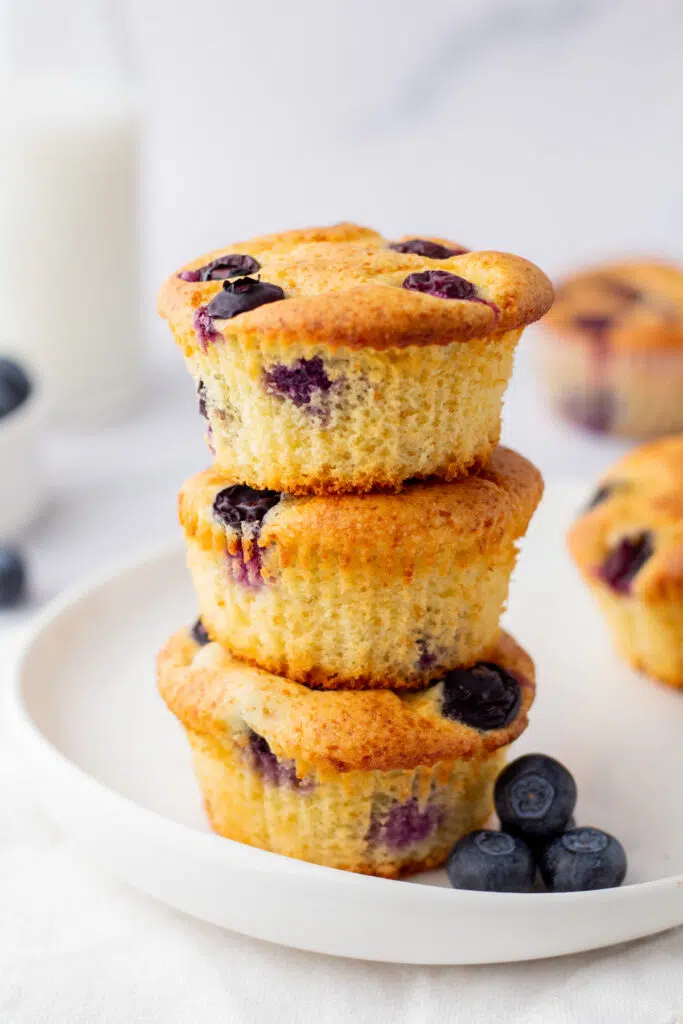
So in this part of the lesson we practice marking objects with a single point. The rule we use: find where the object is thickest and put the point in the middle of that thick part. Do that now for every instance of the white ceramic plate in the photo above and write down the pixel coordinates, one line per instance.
(114, 771)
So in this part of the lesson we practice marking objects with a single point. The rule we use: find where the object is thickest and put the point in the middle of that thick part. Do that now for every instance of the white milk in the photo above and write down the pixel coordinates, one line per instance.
(70, 241)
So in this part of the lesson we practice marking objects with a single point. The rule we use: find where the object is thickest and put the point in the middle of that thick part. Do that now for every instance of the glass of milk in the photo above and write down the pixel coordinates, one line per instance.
(69, 205)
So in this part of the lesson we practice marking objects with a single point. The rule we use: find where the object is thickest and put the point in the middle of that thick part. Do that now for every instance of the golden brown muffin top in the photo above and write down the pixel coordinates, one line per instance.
(344, 287)
(433, 519)
(216, 695)
(632, 306)
(630, 538)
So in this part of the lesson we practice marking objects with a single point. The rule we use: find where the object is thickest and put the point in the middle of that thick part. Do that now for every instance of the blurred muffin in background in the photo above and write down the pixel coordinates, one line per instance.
(611, 355)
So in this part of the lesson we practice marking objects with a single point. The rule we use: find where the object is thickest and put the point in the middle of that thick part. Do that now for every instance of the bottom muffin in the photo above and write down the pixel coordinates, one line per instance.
(378, 782)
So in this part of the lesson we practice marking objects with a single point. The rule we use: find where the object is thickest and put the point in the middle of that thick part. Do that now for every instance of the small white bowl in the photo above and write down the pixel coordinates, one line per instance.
(22, 477)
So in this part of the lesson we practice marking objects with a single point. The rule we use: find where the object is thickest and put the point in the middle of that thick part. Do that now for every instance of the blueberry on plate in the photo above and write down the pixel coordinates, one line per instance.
(535, 797)
(12, 578)
(583, 858)
(15, 386)
(491, 861)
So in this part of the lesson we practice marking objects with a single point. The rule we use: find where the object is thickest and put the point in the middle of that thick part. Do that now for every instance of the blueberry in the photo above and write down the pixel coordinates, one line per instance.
(625, 561)
(299, 381)
(535, 797)
(596, 326)
(12, 578)
(483, 697)
(622, 290)
(199, 634)
(233, 264)
(491, 862)
(603, 492)
(440, 284)
(423, 247)
(277, 771)
(15, 386)
(240, 504)
(593, 410)
(403, 823)
(583, 858)
(201, 398)
(241, 296)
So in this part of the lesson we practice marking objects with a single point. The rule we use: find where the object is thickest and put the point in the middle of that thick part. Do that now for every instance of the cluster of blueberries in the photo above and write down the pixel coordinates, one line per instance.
(15, 388)
(535, 797)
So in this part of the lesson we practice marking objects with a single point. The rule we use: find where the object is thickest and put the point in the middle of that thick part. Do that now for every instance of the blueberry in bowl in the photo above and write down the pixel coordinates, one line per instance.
(490, 861)
(21, 420)
(535, 797)
(12, 578)
(582, 859)
(15, 386)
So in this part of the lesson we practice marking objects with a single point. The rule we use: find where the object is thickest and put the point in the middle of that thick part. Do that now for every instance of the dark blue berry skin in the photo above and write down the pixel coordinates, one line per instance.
(535, 797)
(441, 285)
(15, 386)
(199, 634)
(603, 493)
(581, 859)
(423, 247)
(241, 296)
(240, 504)
(12, 578)
(484, 696)
(491, 862)
(625, 561)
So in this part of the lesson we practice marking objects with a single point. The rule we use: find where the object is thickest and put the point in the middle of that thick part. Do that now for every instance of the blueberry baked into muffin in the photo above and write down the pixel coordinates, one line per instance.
(362, 590)
(369, 781)
(333, 360)
(628, 545)
(612, 351)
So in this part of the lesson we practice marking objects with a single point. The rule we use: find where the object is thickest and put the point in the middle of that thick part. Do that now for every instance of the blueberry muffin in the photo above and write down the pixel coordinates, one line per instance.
(628, 545)
(367, 780)
(612, 353)
(333, 360)
(367, 590)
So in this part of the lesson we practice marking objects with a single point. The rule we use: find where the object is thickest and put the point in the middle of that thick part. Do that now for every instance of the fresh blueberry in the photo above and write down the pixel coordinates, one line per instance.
(12, 578)
(583, 858)
(423, 247)
(625, 561)
(440, 284)
(299, 381)
(491, 862)
(535, 797)
(241, 296)
(199, 634)
(483, 697)
(15, 386)
(241, 504)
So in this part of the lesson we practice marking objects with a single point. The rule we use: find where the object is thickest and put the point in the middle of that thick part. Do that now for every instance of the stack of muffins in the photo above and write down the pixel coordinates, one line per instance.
(347, 691)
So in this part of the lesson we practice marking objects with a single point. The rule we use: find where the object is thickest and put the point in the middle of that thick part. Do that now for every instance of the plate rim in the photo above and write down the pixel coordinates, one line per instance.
(211, 846)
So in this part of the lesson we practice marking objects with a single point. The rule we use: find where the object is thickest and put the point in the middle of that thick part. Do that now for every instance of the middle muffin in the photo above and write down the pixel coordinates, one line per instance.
(361, 591)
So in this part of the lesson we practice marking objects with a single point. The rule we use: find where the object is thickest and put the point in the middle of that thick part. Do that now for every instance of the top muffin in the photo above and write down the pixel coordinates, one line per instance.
(331, 359)
(345, 285)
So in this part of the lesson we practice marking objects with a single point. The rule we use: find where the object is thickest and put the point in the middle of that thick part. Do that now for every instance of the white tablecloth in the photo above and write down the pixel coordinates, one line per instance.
(83, 948)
